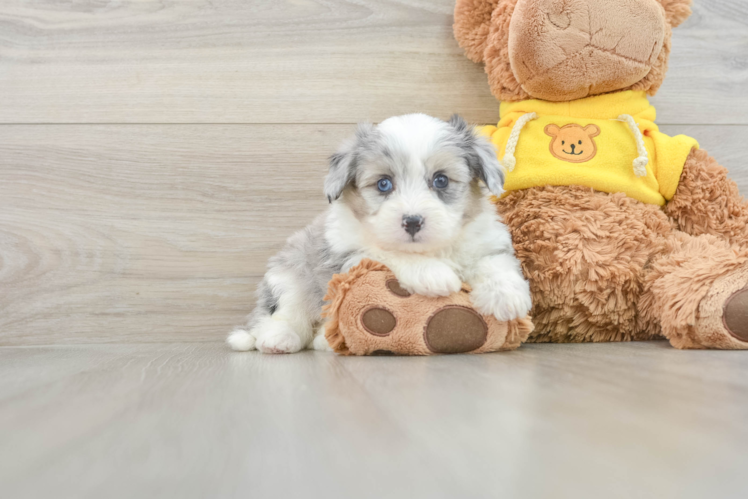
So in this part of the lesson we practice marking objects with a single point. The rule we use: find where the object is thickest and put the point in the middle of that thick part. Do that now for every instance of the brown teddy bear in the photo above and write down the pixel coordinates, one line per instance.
(624, 233)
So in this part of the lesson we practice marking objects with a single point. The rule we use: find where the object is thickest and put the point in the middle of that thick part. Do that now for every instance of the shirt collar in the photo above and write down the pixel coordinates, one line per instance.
(601, 107)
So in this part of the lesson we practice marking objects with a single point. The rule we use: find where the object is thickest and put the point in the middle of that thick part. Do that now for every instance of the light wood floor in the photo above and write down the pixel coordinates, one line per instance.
(155, 153)
(193, 419)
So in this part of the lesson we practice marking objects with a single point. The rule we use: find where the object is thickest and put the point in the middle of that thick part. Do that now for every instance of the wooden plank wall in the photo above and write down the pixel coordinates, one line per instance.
(155, 153)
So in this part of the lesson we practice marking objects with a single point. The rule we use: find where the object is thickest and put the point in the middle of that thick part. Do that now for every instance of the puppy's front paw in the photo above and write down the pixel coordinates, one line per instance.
(435, 279)
(276, 337)
(504, 299)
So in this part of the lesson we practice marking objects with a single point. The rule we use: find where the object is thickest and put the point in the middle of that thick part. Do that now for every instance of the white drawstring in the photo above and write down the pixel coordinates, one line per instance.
(509, 160)
(640, 164)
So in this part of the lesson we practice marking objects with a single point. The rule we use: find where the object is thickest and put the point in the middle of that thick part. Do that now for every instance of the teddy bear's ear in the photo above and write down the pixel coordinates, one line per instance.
(472, 24)
(552, 130)
(676, 11)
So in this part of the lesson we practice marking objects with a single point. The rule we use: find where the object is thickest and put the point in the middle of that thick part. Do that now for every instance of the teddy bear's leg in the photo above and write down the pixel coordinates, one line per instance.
(698, 292)
(707, 201)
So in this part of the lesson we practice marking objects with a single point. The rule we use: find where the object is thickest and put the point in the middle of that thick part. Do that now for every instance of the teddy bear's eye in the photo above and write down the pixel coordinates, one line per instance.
(563, 142)
(580, 143)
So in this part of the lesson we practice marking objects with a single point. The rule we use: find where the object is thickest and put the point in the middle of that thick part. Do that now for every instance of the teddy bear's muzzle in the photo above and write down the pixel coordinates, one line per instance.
(561, 50)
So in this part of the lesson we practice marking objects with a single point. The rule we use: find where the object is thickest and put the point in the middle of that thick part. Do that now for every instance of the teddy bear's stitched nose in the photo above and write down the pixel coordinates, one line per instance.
(559, 16)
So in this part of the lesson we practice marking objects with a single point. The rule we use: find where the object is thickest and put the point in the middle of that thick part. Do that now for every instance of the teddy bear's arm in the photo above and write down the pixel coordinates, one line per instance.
(707, 201)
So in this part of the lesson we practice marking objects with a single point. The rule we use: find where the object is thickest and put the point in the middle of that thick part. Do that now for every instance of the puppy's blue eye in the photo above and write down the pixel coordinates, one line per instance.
(441, 181)
(384, 185)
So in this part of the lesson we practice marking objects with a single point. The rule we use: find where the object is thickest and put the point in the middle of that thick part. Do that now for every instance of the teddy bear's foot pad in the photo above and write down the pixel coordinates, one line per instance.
(370, 313)
(735, 315)
(722, 321)
(455, 329)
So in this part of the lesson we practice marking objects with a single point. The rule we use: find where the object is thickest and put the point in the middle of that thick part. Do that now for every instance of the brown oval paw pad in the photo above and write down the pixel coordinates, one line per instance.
(395, 287)
(735, 315)
(378, 321)
(454, 329)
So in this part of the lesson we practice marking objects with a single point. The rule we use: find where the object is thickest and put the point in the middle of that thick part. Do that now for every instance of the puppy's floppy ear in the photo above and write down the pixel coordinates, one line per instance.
(676, 11)
(480, 155)
(472, 25)
(344, 162)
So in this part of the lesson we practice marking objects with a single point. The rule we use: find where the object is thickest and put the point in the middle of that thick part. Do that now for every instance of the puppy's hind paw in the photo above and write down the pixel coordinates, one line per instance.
(241, 340)
(320, 344)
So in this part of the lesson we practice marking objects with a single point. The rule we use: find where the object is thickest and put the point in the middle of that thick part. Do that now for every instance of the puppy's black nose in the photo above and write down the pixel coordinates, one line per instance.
(412, 224)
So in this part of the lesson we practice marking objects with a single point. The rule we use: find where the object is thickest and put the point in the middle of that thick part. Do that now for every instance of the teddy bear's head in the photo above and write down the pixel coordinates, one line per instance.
(560, 50)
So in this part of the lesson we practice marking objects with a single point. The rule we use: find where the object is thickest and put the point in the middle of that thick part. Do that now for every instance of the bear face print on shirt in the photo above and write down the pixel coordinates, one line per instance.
(572, 142)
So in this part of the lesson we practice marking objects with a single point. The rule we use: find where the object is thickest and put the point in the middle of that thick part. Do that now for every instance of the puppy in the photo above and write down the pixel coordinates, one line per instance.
(410, 193)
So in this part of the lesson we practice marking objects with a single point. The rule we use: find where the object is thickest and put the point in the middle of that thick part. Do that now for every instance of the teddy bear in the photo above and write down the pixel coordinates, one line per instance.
(624, 232)
(369, 313)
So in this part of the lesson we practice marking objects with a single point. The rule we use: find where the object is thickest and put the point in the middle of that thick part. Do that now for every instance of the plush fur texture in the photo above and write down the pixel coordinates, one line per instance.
(606, 56)
(708, 201)
(605, 267)
(676, 11)
(473, 22)
(584, 253)
(501, 79)
(411, 193)
(367, 286)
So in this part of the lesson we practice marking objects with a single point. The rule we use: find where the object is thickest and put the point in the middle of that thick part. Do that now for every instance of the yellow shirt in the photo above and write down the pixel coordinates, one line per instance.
(583, 142)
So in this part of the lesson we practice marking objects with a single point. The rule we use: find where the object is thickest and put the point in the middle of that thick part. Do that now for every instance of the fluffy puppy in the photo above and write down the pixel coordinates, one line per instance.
(410, 193)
